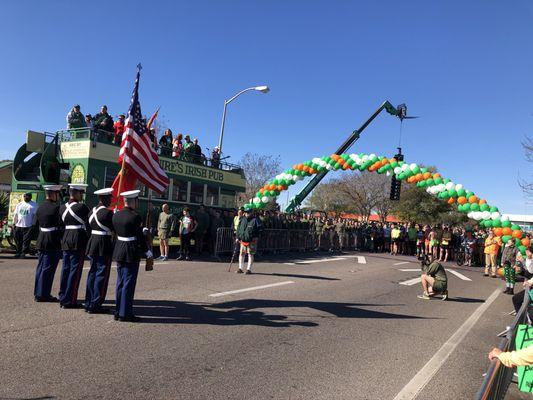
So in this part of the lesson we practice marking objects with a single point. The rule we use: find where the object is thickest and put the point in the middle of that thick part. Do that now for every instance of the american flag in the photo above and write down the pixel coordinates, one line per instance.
(136, 151)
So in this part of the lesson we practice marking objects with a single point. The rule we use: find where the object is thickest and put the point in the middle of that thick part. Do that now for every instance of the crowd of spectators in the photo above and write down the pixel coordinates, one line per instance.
(106, 129)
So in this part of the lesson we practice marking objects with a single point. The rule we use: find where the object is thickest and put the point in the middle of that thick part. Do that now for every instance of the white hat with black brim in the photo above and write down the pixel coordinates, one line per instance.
(78, 186)
(52, 188)
(131, 194)
(104, 192)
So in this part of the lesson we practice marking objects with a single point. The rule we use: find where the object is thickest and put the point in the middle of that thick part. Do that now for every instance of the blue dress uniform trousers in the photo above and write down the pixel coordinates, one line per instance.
(97, 281)
(70, 276)
(126, 281)
(44, 275)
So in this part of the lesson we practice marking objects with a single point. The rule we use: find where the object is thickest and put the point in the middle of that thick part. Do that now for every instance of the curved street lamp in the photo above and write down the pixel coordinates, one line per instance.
(262, 89)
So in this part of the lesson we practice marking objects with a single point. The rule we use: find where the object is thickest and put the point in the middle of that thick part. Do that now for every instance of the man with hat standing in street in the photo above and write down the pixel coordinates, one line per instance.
(248, 236)
(129, 248)
(48, 244)
(23, 220)
(74, 217)
(99, 250)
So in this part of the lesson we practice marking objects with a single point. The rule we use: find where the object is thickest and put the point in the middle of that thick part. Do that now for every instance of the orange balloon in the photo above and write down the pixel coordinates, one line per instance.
(482, 201)
(500, 272)
(305, 168)
(498, 231)
(262, 190)
(296, 166)
(334, 157)
(437, 175)
(507, 231)
(517, 234)
(451, 200)
(525, 242)
(427, 175)
(272, 187)
(472, 199)
(312, 171)
(285, 187)
(279, 188)
(461, 200)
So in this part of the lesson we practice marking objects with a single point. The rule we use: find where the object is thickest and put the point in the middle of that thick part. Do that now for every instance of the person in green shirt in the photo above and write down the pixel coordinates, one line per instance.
(411, 235)
(434, 280)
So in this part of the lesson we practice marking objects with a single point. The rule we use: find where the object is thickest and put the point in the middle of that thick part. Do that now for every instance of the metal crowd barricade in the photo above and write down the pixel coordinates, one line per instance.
(274, 240)
(224, 242)
(498, 376)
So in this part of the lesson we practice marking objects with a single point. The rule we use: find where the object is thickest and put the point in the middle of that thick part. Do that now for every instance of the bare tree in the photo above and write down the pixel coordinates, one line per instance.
(526, 186)
(324, 198)
(258, 169)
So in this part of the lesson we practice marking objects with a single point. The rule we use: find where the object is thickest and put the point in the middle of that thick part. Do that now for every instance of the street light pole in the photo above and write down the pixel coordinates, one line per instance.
(262, 89)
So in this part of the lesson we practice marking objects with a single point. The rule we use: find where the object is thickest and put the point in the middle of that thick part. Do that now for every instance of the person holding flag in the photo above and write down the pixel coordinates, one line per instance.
(99, 250)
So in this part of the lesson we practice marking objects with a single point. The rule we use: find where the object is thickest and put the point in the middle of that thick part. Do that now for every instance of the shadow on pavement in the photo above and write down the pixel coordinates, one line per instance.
(465, 300)
(324, 278)
(246, 312)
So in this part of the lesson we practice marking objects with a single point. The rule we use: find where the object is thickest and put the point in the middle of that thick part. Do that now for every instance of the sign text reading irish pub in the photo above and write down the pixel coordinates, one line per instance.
(191, 170)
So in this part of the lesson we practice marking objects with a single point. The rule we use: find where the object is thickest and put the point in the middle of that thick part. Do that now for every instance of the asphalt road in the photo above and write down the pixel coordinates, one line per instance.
(331, 329)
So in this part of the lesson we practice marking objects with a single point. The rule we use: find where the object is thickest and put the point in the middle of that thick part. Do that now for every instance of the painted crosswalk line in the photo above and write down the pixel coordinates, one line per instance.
(459, 275)
(250, 289)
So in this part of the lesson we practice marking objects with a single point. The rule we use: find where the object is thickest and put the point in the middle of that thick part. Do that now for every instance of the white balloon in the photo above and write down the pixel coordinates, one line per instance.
(316, 160)
(265, 199)
(397, 170)
(450, 185)
(495, 215)
(405, 167)
(470, 215)
(364, 158)
(328, 167)
(372, 156)
(485, 214)
(477, 215)
(458, 186)
(257, 200)
(412, 166)
(388, 173)
(505, 218)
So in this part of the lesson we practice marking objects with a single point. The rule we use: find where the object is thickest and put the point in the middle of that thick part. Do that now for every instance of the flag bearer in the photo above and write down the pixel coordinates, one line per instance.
(129, 248)
(99, 250)
(48, 244)
(74, 215)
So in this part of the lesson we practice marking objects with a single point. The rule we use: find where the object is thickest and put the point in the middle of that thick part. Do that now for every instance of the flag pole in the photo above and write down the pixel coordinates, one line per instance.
(149, 266)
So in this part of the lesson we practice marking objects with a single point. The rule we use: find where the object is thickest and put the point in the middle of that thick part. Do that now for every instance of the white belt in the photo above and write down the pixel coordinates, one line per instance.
(74, 227)
(51, 229)
(126, 239)
(101, 233)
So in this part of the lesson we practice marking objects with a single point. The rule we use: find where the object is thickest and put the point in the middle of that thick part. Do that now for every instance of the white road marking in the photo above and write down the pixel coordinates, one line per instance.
(421, 379)
(361, 259)
(402, 263)
(411, 282)
(459, 275)
(410, 270)
(250, 289)
(314, 261)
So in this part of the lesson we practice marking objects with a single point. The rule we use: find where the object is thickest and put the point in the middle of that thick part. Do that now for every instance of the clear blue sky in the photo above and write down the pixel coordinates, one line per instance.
(464, 67)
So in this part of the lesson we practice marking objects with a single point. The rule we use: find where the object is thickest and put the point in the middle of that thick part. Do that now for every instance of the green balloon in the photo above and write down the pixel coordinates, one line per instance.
(467, 207)
(493, 209)
(336, 165)
(430, 182)
(496, 223)
(488, 223)
(444, 194)
(452, 193)
(517, 243)
(522, 250)
(461, 192)
(446, 180)
(506, 238)
(483, 207)
(474, 207)
(506, 224)
(438, 181)
(515, 227)
(416, 170)
(469, 193)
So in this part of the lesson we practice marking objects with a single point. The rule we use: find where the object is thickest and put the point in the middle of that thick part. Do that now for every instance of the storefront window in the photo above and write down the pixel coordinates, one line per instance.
(162, 196)
(212, 195)
(179, 190)
(197, 193)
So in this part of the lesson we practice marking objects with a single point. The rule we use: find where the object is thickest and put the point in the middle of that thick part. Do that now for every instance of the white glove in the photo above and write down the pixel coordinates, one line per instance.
(149, 254)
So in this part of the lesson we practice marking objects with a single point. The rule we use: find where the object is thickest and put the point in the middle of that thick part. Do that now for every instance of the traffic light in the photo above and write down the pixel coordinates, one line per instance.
(396, 185)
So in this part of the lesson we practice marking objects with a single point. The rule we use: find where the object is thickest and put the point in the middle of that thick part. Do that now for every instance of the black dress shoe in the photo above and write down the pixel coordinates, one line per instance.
(133, 318)
(50, 299)
(69, 306)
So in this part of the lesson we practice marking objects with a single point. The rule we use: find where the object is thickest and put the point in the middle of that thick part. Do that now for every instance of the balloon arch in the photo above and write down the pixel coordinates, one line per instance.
(446, 190)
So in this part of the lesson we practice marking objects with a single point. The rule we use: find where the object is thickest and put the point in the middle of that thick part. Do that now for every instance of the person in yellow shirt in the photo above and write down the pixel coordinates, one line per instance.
(515, 358)
(395, 237)
(492, 247)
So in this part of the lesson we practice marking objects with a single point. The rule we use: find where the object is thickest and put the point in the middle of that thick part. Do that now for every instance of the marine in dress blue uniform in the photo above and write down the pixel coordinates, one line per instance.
(48, 244)
(99, 251)
(74, 218)
(130, 246)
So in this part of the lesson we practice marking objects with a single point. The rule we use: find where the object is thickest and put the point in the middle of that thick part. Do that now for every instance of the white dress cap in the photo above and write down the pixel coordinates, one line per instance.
(52, 188)
(132, 194)
(78, 186)
(104, 192)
